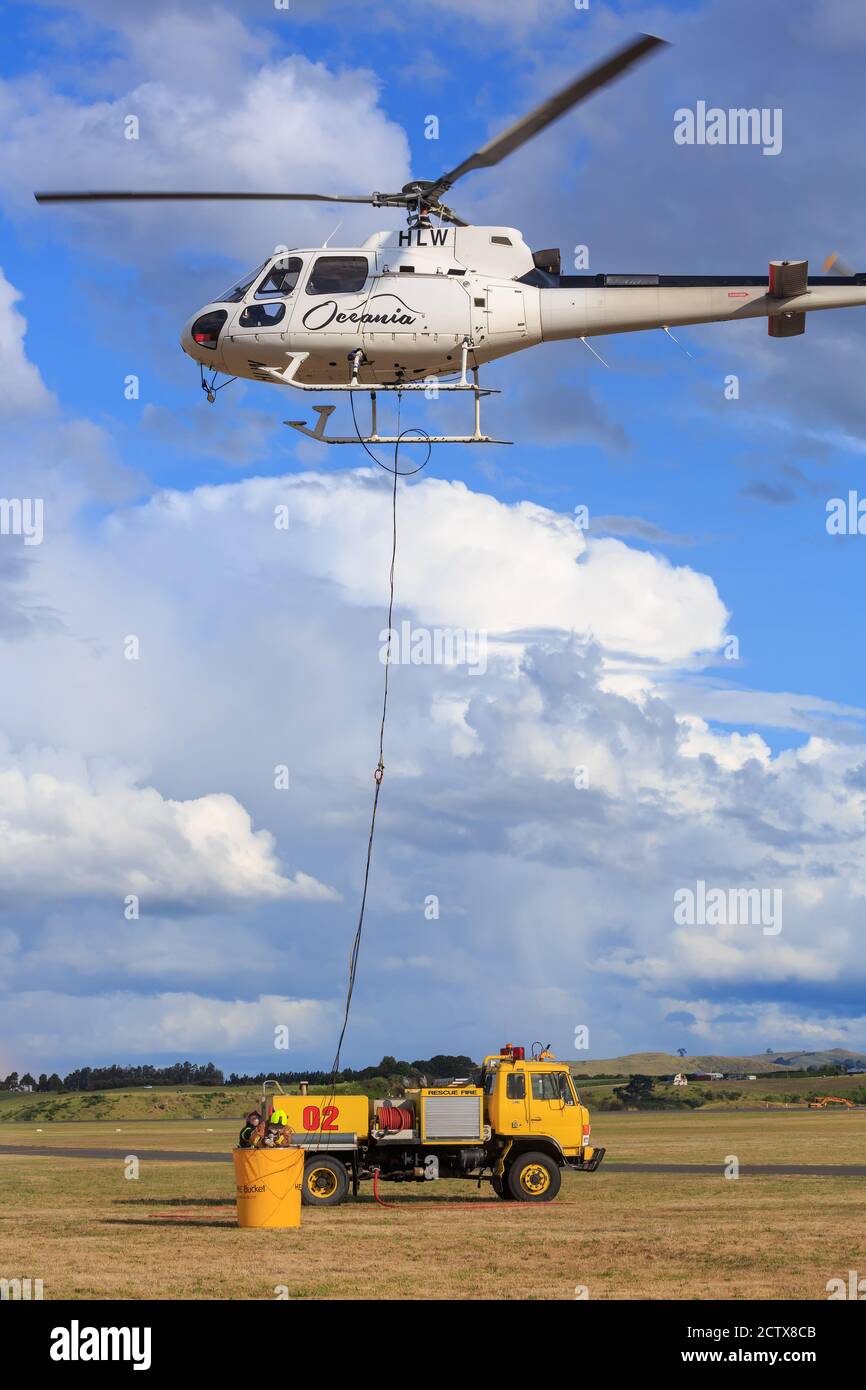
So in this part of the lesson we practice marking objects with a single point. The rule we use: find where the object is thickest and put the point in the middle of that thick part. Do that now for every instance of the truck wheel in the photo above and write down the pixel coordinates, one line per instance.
(500, 1187)
(326, 1182)
(533, 1177)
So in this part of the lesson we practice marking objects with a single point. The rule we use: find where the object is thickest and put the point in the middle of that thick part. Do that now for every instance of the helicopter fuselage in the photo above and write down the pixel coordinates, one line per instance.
(402, 307)
(407, 299)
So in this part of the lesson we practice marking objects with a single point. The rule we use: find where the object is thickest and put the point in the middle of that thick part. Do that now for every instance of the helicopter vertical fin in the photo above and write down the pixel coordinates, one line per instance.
(787, 280)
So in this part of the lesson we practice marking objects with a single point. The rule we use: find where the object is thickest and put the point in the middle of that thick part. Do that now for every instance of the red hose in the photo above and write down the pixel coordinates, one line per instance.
(394, 1117)
(376, 1190)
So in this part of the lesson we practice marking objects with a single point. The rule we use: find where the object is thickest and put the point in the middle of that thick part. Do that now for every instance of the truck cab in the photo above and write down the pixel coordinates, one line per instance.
(535, 1114)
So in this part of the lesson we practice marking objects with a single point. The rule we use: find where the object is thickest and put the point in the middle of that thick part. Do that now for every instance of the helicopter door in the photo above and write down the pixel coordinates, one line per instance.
(333, 302)
(262, 319)
(422, 318)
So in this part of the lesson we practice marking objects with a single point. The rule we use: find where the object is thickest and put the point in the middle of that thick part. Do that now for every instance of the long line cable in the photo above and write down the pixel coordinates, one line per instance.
(380, 766)
(377, 776)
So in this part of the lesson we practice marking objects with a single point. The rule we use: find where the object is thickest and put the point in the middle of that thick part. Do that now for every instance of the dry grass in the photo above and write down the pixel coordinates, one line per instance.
(90, 1233)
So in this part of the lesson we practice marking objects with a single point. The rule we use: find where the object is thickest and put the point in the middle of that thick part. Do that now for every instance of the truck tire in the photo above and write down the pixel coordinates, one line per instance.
(325, 1183)
(533, 1177)
(500, 1187)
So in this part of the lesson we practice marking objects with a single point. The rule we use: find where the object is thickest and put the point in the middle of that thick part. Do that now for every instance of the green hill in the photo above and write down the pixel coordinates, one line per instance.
(664, 1063)
(161, 1103)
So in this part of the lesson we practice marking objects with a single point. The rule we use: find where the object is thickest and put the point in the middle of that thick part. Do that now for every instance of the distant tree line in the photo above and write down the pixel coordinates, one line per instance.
(45, 1083)
(192, 1074)
(441, 1065)
(115, 1078)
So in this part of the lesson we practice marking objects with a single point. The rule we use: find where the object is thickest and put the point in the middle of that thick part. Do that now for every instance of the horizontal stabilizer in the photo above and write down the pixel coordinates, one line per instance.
(788, 278)
(786, 325)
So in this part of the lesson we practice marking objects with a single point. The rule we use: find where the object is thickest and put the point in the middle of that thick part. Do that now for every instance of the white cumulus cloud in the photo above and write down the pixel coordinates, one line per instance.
(63, 838)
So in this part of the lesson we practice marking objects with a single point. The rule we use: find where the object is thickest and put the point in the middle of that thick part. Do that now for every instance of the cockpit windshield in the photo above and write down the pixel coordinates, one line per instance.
(235, 293)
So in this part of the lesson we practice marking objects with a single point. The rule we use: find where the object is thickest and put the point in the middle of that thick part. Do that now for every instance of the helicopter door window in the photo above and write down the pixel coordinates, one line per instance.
(236, 292)
(338, 275)
(281, 278)
(261, 315)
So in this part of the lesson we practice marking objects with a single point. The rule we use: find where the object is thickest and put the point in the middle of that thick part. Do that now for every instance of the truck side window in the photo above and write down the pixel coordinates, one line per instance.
(515, 1086)
(565, 1092)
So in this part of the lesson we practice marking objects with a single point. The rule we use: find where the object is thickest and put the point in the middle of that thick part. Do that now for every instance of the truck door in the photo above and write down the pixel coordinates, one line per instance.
(553, 1108)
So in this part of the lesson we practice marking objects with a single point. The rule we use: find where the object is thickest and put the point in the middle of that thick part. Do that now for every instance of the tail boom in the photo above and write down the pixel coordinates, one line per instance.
(598, 305)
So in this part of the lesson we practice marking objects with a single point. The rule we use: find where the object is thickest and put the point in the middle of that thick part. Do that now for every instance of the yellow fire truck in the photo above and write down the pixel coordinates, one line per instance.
(518, 1129)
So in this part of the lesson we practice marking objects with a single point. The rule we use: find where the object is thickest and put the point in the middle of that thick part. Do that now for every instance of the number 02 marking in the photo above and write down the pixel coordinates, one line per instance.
(315, 1119)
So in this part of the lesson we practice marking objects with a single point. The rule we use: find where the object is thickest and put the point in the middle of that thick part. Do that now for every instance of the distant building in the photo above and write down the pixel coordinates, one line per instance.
(681, 1079)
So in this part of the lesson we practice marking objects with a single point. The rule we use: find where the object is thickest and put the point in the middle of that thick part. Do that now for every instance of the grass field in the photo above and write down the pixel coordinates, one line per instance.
(88, 1232)
(664, 1136)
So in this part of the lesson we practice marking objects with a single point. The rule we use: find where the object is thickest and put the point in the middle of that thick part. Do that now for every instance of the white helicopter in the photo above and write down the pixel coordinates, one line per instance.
(411, 307)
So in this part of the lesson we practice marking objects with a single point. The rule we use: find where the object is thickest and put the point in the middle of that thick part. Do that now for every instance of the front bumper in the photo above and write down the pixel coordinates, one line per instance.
(586, 1165)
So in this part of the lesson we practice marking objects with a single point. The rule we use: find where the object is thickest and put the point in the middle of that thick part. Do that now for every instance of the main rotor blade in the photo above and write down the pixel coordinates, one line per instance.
(154, 197)
(549, 111)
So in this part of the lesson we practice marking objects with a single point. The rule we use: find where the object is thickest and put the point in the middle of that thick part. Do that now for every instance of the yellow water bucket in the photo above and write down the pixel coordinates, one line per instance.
(269, 1186)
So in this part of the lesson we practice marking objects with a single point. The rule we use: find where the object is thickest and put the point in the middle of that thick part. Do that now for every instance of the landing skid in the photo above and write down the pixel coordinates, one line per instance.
(288, 378)
(325, 412)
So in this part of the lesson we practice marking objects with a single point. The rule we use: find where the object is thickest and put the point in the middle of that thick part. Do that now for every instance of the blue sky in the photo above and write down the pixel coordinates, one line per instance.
(708, 520)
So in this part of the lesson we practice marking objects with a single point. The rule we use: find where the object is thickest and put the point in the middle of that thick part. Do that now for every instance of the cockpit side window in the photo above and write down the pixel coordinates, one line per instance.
(281, 278)
(338, 275)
